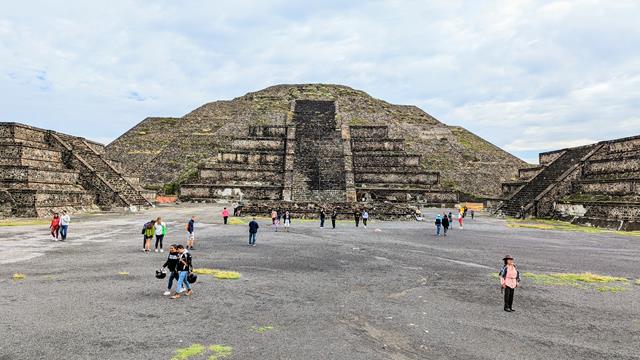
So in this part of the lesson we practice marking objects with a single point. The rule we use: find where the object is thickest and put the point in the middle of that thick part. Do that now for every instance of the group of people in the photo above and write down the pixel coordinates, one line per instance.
(59, 226)
(444, 221)
(357, 216)
(277, 216)
(180, 266)
(158, 229)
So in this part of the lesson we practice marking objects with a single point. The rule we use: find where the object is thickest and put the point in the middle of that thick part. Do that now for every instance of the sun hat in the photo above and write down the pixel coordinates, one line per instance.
(508, 257)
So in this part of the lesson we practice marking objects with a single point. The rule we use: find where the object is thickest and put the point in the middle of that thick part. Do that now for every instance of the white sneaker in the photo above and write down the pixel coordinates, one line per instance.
(161, 250)
(156, 250)
(167, 293)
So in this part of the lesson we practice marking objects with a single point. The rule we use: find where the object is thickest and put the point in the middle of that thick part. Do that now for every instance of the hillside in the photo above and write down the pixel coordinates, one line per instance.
(167, 150)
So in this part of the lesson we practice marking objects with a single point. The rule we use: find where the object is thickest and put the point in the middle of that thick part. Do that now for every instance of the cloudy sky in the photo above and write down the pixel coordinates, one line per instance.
(528, 76)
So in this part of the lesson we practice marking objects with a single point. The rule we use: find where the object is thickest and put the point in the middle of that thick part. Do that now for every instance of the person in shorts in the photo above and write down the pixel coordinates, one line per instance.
(287, 221)
(190, 232)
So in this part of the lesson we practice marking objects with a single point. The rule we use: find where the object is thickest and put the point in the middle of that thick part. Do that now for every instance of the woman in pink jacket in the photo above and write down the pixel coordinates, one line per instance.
(509, 279)
(225, 215)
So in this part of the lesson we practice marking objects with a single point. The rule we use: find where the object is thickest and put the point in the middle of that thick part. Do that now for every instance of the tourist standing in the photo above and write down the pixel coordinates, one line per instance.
(445, 224)
(253, 231)
(183, 267)
(365, 217)
(322, 217)
(509, 280)
(473, 213)
(287, 220)
(274, 215)
(160, 229)
(235, 208)
(450, 220)
(149, 231)
(55, 226)
(191, 237)
(172, 261)
(356, 217)
(334, 216)
(65, 220)
(225, 215)
(438, 223)
(460, 216)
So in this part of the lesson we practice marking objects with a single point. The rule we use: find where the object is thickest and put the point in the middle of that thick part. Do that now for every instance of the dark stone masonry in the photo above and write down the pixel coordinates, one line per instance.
(596, 184)
(311, 163)
(43, 171)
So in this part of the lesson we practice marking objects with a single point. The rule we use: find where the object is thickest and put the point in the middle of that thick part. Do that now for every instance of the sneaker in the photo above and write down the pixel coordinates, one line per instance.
(167, 293)
(189, 292)
(156, 250)
(144, 250)
(253, 245)
(161, 250)
(176, 296)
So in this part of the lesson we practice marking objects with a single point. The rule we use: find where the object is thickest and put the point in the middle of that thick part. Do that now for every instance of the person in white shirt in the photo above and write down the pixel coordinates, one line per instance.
(365, 217)
(65, 219)
(160, 231)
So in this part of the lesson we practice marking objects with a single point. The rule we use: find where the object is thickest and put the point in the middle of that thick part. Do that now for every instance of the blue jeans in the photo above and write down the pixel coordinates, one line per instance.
(252, 238)
(438, 229)
(63, 231)
(182, 280)
(172, 276)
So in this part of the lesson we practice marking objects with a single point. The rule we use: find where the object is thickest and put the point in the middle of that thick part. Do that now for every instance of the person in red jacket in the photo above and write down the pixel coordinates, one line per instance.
(55, 226)
(225, 215)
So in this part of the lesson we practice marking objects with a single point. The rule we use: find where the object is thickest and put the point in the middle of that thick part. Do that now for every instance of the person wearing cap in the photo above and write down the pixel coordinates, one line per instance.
(509, 280)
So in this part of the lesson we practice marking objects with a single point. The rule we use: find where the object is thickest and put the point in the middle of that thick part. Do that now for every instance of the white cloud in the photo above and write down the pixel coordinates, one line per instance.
(526, 75)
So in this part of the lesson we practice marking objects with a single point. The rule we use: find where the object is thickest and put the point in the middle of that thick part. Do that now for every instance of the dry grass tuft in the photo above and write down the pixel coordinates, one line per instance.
(18, 276)
(218, 274)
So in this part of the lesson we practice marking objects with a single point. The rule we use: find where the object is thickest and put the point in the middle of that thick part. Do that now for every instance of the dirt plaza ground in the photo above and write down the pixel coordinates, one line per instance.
(391, 291)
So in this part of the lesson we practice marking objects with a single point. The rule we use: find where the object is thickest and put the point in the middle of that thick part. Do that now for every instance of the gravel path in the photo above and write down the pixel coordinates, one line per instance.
(391, 291)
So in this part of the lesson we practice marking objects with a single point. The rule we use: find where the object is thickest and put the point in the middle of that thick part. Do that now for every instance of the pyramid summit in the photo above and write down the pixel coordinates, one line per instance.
(254, 145)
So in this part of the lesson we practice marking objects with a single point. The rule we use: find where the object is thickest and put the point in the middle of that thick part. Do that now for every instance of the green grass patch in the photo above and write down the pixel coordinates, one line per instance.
(612, 289)
(24, 222)
(218, 274)
(188, 352)
(238, 221)
(262, 329)
(547, 224)
(220, 351)
(18, 276)
(601, 283)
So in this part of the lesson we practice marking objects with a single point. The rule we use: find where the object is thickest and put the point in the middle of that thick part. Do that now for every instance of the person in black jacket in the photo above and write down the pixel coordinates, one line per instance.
(172, 261)
(356, 217)
(253, 230)
(322, 216)
(334, 216)
(183, 267)
(445, 224)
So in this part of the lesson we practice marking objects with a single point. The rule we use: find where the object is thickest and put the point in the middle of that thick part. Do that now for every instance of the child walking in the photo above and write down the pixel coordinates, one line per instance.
(509, 280)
